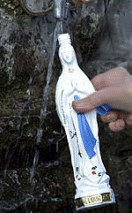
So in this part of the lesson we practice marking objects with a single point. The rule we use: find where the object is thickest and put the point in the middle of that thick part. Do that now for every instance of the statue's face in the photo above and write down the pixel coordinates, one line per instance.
(67, 54)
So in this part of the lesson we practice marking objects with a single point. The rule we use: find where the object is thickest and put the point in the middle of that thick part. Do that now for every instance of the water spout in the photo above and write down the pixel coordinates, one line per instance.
(59, 9)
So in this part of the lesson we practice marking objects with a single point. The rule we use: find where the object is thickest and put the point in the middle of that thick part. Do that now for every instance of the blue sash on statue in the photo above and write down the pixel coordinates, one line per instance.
(87, 136)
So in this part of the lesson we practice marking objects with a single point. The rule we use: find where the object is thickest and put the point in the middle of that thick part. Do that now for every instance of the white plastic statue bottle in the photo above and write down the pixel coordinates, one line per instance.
(91, 180)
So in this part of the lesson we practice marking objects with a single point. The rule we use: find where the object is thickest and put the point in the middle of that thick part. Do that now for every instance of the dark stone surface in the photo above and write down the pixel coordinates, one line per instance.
(102, 40)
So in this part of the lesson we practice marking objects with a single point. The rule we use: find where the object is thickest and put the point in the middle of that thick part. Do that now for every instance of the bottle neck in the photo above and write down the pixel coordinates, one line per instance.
(64, 39)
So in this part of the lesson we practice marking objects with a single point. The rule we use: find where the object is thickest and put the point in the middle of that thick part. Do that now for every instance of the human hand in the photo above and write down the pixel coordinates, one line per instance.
(114, 88)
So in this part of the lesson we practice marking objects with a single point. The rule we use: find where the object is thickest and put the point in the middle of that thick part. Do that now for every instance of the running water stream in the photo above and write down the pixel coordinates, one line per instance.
(43, 112)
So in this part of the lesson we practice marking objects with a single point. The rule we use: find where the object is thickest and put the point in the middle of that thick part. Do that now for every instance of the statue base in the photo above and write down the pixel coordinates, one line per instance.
(95, 201)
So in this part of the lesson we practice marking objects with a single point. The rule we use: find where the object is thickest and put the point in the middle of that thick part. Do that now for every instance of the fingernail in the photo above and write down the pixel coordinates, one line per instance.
(75, 104)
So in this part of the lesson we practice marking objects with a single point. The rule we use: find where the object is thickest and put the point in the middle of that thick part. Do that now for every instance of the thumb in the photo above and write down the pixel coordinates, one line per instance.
(108, 95)
(89, 103)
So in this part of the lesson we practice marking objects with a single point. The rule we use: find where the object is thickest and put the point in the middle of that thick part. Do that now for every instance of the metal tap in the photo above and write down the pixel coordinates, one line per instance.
(59, 9)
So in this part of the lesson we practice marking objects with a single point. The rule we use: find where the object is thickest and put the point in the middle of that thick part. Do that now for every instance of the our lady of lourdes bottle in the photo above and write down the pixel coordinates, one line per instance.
(91, 180)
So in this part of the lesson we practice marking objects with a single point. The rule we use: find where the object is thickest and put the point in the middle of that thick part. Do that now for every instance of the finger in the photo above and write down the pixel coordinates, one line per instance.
(89, 103)
(128, 119)
(113, 115)
(115, 97)
(117, 126)
(110, 117)
(86, 104)
(94, 100)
